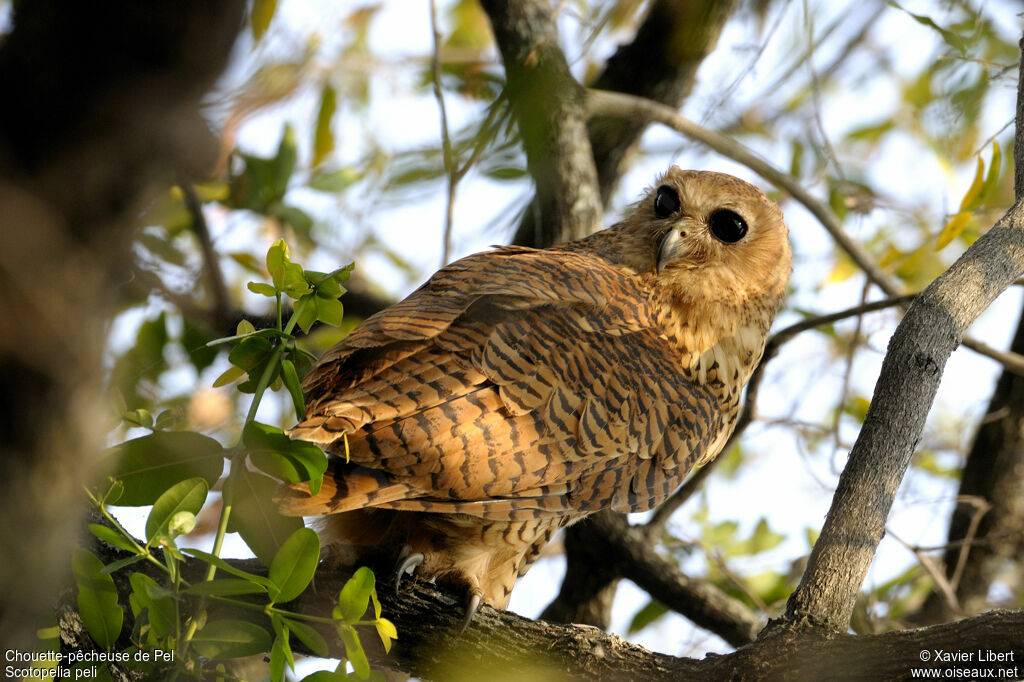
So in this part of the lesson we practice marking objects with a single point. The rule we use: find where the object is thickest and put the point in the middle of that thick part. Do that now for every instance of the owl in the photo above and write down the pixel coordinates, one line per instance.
(519, 390)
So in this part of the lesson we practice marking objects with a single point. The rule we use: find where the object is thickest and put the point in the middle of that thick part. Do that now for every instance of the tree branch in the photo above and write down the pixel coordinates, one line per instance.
(909, 379)
(548, 106)
(502, 645)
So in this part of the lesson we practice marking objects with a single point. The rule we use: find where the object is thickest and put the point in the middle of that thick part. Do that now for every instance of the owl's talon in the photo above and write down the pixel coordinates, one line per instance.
(471, 608)
(407, 564)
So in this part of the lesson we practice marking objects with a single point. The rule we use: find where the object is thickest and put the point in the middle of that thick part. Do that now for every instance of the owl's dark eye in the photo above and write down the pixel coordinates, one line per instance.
(666, 202)
(728, 226)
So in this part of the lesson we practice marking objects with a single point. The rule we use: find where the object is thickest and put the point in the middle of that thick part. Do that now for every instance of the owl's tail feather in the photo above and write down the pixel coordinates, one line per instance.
(346, 487)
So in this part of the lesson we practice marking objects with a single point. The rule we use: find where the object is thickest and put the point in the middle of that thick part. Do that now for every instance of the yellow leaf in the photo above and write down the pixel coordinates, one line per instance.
(262, 13)
(212, 191)
(843, 270)
(323, 137)
(975, 188)
(953, 229)
(232, 374)
(992, 178)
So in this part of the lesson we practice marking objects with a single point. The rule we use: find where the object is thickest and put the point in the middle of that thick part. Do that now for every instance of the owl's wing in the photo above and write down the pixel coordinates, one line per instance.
(514, 384)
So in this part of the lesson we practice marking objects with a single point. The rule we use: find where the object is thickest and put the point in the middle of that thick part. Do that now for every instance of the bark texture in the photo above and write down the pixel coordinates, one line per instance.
(548, 106)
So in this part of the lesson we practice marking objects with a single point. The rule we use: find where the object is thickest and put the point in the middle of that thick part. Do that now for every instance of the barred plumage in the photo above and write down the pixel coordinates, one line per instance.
(519, 390)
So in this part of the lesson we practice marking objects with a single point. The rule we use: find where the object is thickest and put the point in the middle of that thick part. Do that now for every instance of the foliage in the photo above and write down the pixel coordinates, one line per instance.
(194, 622)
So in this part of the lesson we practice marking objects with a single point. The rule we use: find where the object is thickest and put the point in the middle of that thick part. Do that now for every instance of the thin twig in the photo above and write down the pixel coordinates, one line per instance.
(215, 276)
(446, 141)
(981, 507)
(934, 572)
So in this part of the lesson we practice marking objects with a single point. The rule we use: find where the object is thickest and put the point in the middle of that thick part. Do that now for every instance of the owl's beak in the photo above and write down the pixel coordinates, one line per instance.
(672, 245)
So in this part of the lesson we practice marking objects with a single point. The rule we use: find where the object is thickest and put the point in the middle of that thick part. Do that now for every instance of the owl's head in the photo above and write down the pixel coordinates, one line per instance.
(717, 235)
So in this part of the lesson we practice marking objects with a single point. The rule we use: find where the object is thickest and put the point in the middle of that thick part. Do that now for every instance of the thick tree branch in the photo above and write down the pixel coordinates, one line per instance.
(660, 63)
(548, 106)
(504, 646)
(909, 379)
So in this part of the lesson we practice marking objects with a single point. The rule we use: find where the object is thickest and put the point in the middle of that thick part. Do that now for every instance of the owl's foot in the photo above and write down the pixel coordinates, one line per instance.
(407, 563)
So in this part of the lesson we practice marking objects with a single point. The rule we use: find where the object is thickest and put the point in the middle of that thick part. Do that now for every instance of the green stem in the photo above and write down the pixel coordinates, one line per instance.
(272, 365)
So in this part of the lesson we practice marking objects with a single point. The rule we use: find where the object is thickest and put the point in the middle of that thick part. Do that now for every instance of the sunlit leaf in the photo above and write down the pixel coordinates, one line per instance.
(310, 637)
(952, 229)
(354, 597)
(186, 496)
(354, 651)
(323, 137)
(260, 17)
(294, 386)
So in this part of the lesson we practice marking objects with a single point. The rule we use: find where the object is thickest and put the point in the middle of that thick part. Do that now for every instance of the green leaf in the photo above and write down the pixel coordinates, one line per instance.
(651, 611)
(294, 564)
(273, 452)
(256, 518)
(149, 465)
(953, 229)
(112, 537)
(298, 219)
(253, 355)
(354, 651)
(294, 386)
(278, 257)
(262, 288)
(310, 637)
(306, 308)
(97, 598)
(951, 39)
(329, 311)
(323, 138)
(121, 563)
(194, 340)
(355, 596)
(230, 375)
(262, 14)
(231, 639)
(247, 261)
(284, 162)
(228, 568)
(334, 181)
(157, 600)
(277, 657)
(225, 587)
(992, 179)
(244, 328)
(186, 496)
